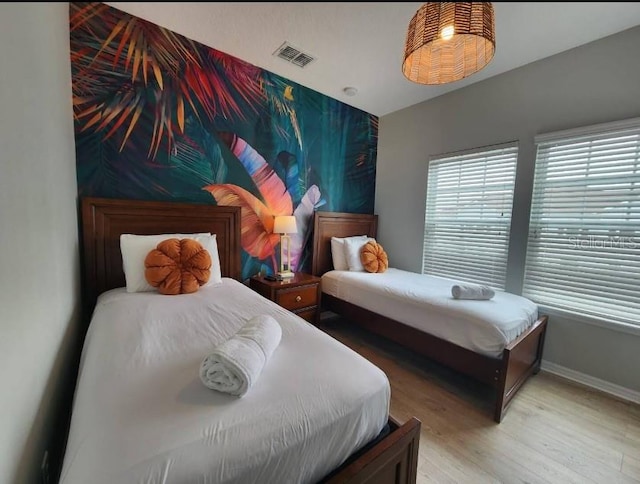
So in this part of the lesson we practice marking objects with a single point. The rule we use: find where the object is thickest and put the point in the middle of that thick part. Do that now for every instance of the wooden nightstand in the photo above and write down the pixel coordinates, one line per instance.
(300, 294)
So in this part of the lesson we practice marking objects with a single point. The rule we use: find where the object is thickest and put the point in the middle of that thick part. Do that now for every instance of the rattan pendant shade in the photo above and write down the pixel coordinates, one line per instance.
(449, 41)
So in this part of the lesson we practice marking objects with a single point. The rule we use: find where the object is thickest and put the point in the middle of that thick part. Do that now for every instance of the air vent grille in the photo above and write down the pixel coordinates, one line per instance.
(293, 55)
(302, 59)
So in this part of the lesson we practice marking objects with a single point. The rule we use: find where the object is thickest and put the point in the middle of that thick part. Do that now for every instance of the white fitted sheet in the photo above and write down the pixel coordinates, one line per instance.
(424, 302)
(142, 415)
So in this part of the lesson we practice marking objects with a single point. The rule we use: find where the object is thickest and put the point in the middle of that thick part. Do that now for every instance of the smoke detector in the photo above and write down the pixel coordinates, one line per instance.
(293, 55)
(350, 91)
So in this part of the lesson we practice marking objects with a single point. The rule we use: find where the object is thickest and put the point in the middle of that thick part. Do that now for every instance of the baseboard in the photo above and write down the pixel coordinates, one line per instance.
(590, 381)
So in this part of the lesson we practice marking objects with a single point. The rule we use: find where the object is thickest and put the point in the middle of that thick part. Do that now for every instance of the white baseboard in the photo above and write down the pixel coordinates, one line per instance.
(590, 381)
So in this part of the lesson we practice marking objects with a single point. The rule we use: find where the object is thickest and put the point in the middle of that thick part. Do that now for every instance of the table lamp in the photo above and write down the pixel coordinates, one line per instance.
(285, 225)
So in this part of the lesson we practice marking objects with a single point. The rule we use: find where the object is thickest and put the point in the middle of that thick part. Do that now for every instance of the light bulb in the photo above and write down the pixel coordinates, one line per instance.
(447, 32)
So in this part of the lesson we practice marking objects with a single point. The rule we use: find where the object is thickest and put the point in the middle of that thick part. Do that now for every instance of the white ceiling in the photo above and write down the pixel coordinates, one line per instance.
(361, 44)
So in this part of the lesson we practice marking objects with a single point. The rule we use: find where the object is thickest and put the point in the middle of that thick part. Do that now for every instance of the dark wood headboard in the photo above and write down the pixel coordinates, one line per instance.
(104, 220)
(337, 224)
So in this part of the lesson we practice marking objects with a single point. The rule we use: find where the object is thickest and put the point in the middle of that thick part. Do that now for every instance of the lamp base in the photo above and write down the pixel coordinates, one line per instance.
(286, 274)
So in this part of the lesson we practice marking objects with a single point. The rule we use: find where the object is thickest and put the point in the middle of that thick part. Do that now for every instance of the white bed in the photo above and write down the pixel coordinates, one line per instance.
(141, 414)
(498, 342)
(425, 303)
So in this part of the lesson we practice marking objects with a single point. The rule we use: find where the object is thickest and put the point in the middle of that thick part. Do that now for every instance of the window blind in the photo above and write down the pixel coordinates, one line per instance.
(468, 215)
(584, 238)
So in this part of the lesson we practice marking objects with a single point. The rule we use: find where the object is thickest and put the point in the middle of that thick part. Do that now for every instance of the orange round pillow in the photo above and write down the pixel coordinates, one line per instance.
(373, 257)
(177, 266)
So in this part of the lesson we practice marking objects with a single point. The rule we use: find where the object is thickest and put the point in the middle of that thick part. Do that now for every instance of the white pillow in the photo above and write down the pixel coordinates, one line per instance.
(210, 243)
(338, 253)
(134, 249)
(352, 248)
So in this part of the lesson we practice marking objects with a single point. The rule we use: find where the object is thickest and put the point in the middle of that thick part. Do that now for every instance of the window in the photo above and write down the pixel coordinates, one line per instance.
(468, 215)
(584, 238)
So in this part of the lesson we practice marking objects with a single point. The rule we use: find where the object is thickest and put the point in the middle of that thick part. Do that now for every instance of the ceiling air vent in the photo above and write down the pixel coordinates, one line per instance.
(293, 55)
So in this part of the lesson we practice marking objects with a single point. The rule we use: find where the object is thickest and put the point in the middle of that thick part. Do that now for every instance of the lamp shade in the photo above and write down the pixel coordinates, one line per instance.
(448, 41)
(285, 224)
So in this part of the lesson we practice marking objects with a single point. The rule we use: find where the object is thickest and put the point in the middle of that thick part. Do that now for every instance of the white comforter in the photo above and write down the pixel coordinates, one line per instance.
(424, 302)
(142, 415)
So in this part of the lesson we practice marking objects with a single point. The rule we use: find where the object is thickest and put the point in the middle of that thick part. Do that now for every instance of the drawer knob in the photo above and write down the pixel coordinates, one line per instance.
(298, 298)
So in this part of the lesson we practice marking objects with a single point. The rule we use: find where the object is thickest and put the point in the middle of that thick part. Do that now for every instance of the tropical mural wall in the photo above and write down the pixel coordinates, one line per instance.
(160, 117)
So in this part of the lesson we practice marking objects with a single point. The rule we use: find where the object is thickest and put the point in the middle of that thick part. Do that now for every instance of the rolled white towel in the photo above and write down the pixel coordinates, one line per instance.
(472, 291)
(235, 365)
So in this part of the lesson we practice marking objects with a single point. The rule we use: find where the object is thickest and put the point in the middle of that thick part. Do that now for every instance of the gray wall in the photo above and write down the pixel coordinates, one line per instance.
(39, 275)
(595, 83)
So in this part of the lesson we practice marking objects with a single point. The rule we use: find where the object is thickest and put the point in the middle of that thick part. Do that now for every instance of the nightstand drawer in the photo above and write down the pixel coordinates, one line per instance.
(299, 294)
(298, 297)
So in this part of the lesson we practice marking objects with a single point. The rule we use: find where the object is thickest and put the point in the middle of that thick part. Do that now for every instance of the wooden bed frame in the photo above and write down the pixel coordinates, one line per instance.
(392, 459)
(520, 359)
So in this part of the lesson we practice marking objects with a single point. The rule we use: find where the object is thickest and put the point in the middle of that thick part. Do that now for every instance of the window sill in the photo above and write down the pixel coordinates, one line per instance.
(581, 318)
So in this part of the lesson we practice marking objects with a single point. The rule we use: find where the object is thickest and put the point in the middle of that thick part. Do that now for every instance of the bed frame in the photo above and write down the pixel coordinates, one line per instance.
(393, 459)
(519, 360)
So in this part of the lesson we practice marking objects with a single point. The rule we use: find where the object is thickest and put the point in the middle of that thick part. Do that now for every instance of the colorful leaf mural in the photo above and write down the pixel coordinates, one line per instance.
(158, 116)
(311, 201)
(258, 238)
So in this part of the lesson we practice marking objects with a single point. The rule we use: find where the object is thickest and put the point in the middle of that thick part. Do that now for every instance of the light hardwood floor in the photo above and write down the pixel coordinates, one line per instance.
(554, 431)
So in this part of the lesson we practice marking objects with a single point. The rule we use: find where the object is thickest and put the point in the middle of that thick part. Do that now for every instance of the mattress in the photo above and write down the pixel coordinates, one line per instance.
(142, 415)
(425, 303)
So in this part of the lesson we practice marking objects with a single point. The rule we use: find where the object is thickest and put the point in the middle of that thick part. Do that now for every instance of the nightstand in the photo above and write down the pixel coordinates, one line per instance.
(299, 294)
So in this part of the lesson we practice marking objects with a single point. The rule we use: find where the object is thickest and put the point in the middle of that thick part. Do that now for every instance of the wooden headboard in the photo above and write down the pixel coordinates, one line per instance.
(104, 220)
(337, 224)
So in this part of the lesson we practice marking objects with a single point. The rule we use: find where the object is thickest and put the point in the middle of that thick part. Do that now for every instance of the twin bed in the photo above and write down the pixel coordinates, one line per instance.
(140, 413)
(498, 342)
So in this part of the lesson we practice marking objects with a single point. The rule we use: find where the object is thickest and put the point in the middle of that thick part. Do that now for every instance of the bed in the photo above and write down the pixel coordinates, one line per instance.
(502, 355)
(140, 413)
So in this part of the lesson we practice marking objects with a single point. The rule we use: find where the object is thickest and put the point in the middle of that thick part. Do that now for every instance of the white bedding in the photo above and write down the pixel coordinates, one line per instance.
(142, 415)
(424, 302)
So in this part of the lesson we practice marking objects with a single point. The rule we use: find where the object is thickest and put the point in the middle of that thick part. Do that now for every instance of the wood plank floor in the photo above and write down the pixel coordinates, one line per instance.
(555, 431)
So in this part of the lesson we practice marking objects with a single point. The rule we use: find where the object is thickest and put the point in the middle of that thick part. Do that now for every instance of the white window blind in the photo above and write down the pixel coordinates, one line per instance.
(584, 239)
(468, 215)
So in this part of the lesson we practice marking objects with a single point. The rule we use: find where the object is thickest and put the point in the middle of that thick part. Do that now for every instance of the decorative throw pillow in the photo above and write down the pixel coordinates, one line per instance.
(178, 266)
(134, 249)
(374, 258)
